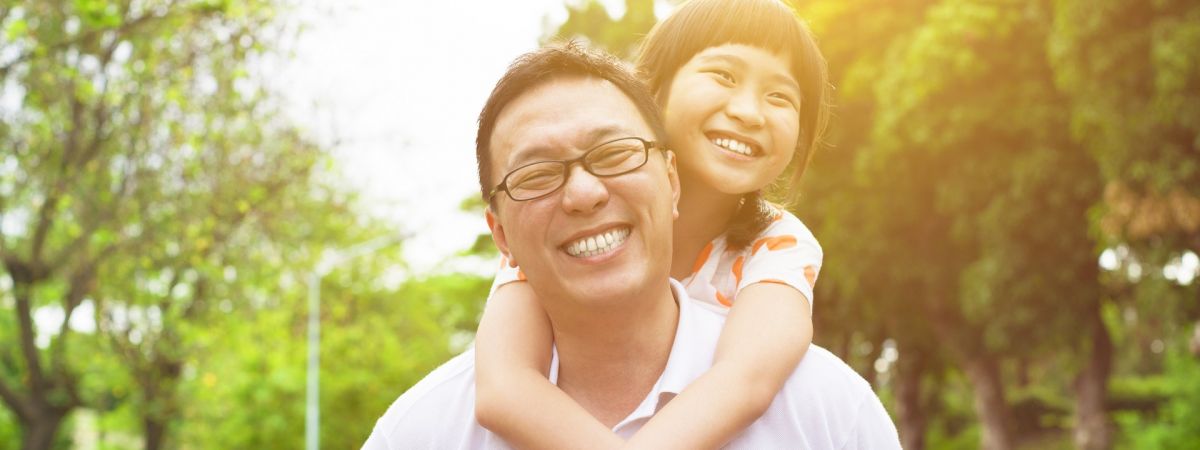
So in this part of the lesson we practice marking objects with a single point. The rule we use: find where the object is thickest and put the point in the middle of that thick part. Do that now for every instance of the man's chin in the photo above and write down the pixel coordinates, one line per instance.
(612, 288)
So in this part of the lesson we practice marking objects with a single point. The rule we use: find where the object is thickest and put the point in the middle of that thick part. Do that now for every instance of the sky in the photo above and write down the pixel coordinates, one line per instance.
(396, 87)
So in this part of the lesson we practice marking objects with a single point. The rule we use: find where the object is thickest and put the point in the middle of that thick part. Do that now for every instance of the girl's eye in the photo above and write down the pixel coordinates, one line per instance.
(782, 99)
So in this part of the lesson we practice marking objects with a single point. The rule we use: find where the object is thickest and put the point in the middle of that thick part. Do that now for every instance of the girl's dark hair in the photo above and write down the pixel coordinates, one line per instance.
(767, 24)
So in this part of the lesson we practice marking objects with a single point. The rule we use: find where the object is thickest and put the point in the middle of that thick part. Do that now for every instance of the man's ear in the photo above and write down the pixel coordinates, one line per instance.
(673, 177)
(498, 236)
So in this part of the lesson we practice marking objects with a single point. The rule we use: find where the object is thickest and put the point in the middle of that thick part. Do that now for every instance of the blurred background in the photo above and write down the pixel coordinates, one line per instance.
(193, 192)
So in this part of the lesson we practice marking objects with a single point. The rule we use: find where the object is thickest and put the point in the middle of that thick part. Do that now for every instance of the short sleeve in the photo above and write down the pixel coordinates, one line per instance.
(505, 274)
(873, 429)
(785, 253)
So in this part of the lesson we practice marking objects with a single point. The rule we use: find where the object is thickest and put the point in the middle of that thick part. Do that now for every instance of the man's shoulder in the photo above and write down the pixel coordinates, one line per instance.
(824, 370)
(437, 412)
(834, 404)
(824, 404)
(451, 376)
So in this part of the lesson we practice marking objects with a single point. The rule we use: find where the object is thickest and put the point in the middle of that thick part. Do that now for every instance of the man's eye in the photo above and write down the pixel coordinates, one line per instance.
(723, 75)
(537, 179)
(611, 156)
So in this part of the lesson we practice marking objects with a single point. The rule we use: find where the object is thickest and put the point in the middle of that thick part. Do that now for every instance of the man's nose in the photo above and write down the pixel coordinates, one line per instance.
(744, 107)
(583, 192)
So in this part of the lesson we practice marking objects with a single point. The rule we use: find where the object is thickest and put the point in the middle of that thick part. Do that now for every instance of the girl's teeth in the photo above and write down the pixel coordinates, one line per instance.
(732, 145)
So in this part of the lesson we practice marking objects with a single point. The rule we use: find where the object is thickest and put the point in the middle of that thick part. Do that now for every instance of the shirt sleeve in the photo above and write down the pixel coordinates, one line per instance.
(504, 275)
(874, 428)
(376, 441)
(785, 253)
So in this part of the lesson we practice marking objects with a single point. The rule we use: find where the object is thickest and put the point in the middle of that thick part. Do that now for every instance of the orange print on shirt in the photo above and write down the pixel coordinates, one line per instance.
(737, 270)
(703, 258)
(774, 243)
(810, 274)
(723, 300)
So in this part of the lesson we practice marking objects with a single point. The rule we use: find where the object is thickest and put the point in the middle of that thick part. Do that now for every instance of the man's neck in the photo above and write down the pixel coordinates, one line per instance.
(609, 361)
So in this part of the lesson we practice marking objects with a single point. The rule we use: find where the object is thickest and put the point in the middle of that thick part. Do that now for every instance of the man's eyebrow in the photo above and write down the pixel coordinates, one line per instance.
(611, 131)
(526, 155)
(593, 137)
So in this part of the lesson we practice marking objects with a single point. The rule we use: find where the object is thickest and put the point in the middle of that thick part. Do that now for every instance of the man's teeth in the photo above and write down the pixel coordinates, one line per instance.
(734, 145)
(598, 244)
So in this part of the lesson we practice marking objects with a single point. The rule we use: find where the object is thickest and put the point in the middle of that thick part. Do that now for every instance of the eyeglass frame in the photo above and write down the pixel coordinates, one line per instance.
(567, 163)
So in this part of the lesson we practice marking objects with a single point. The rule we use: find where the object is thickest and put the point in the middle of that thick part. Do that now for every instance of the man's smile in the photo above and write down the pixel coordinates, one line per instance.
(590, 243)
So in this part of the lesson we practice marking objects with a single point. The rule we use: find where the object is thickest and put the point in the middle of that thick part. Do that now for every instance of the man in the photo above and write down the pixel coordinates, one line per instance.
(627, 338)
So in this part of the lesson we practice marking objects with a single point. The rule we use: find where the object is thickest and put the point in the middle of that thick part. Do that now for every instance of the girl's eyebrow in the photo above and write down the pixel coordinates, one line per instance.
(786, 80)
(781, 78)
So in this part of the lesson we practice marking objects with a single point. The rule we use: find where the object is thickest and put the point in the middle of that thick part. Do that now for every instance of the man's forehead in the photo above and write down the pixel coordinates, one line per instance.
(561, 115)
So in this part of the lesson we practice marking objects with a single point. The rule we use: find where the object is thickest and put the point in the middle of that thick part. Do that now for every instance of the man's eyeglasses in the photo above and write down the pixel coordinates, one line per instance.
(536, 180)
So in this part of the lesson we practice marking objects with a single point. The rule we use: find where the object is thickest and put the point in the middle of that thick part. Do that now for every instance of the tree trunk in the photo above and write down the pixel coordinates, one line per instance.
(155, 431)
(995, 417)
(910, 368)
(990, 406)
(1195, 343)
(41, 429)
(1092, 430)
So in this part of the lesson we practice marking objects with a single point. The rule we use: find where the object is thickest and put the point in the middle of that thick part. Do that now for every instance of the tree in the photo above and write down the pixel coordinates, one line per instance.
(142, 146)
(955, 175)
(1131, 69)
(590, 20)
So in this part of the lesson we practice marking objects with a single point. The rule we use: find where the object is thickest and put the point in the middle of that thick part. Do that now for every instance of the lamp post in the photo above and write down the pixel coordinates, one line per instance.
(326, 264)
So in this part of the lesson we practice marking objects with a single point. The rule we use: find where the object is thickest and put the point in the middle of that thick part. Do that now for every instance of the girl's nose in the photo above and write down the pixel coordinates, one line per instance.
(744, 107)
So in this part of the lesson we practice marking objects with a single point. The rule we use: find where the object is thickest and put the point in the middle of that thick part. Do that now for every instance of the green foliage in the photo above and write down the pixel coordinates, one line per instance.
(154, 178)
(388, 342)
(10, 434)
(591, 21)
(1176, 424)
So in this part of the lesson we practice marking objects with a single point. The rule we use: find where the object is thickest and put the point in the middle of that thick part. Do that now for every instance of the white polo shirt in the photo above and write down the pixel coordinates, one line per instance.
(824, 404)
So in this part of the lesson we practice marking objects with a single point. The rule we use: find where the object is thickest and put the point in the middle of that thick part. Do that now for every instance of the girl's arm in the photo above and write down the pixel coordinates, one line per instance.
(513, 397)
(768, 331)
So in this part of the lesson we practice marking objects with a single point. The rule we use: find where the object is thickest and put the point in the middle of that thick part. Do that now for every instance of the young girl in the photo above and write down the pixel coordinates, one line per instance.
(743, 91)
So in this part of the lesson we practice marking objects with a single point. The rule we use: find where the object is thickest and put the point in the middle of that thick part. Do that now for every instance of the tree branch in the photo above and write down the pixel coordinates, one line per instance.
(82, 282)
(4, 14)
(16, 404)
(46, 216)
(29, 348)
(99, 112)
(90, 36)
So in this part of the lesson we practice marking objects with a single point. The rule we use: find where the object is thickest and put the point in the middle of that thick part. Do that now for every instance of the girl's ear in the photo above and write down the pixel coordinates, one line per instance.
(673, 177)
